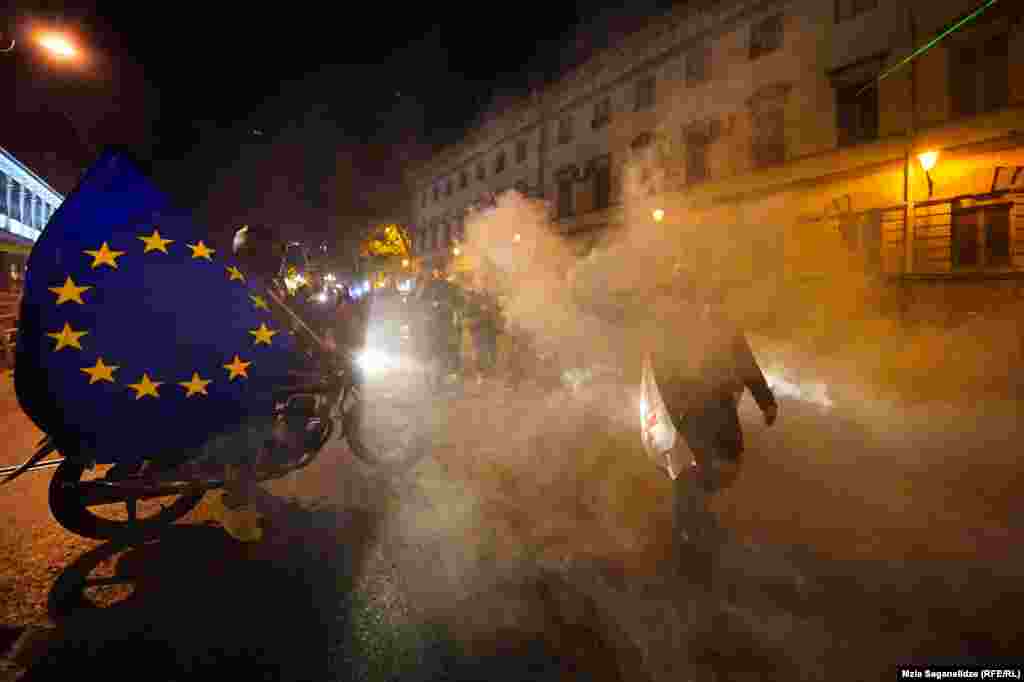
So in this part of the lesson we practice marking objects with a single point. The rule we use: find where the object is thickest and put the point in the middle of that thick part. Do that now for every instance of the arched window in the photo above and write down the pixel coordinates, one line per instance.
(15, 200)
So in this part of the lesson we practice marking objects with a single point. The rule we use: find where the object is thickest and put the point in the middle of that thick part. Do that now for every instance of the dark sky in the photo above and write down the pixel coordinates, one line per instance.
(185, 85)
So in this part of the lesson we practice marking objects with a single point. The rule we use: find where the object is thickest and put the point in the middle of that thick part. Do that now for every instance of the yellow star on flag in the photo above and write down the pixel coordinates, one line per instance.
(237, 368)
(104, 256)
(145, 387)
(155, 243)
(196, 386)
(69, 292)
(66, 337)
(260, 303)
(263, 334)
(201, 250)
(100, 372)
(234, 274)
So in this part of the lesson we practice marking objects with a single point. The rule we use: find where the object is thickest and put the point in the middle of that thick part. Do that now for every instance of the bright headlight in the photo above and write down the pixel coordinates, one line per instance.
(370, 360)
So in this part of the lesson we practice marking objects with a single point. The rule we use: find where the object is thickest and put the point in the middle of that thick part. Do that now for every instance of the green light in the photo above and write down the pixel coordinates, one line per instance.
(931, 43)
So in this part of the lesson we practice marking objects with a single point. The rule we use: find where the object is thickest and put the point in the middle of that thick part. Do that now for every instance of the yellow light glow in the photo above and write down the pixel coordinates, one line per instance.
(658, 215)
(517, 237)
(57, 45)
(405, 262)
(457, 251)
(928, 160)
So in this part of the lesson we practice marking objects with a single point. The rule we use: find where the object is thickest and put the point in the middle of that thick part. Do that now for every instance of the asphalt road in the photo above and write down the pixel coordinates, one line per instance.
(905, 523)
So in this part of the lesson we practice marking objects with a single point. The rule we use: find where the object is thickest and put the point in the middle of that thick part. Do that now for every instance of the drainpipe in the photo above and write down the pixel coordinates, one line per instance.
(543, 147)
(908, 198)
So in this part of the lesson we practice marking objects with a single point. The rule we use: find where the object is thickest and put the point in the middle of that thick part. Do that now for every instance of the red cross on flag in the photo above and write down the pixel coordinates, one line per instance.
(660, 439)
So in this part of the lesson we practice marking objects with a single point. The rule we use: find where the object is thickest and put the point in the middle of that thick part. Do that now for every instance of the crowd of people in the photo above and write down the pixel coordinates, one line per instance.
(701, 378)
(438, 314)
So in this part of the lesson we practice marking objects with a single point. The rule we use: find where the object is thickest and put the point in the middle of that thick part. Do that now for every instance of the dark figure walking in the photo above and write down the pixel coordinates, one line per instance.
(701, 383)
(482, 318)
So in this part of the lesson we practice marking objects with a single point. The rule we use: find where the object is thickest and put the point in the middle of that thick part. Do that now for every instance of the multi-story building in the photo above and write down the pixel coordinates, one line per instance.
(764, 133)
(26, 204)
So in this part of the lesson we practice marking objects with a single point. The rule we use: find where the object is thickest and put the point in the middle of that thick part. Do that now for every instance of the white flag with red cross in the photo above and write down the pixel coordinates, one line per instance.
(660, 439)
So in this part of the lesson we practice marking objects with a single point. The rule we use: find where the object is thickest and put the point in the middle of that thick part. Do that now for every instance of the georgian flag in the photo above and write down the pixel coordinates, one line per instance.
(659, 436)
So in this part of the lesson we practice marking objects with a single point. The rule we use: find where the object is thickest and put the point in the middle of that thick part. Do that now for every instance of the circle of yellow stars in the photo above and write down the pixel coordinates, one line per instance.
(72, 292)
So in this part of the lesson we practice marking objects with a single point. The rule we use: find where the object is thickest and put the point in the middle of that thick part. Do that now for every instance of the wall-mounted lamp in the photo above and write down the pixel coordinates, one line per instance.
(457, 251)
(928, 160)
(517, 237)
(658, 215)
(405, 262)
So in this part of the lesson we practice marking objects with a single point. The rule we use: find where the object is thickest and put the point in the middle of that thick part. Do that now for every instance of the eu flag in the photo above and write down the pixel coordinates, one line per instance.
(137, 339)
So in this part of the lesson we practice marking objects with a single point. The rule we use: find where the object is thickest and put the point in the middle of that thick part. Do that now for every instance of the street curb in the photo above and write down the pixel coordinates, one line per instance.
(30, 645)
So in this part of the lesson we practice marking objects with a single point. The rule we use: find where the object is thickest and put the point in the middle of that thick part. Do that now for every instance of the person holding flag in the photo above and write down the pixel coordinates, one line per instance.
(691, 388)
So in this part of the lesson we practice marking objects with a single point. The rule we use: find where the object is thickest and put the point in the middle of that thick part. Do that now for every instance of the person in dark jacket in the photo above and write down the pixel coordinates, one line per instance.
(441, 303)
(482, 318)
(702, 378)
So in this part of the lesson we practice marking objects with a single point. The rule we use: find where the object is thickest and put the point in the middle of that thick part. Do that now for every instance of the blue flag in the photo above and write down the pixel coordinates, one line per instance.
(137, 339)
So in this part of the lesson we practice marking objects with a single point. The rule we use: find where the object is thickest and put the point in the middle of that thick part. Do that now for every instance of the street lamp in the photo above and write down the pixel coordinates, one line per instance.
(928, 160)
(57, 45)
(405, 262)
(457, 251)
(517, 237)
(658, 215)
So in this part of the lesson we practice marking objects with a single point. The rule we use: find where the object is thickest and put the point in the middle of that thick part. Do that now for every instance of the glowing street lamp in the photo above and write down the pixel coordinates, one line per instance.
(457, 251)
(928, 160)
(517, 237)
(58, 45)
(405, 262)
(658, 215)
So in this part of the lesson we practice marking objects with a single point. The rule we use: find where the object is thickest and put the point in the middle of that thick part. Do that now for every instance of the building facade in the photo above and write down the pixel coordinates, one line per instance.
(761, 130)
(26, 204)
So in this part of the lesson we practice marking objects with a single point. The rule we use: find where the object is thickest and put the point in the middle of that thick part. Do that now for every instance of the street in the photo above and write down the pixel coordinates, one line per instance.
(505, 513)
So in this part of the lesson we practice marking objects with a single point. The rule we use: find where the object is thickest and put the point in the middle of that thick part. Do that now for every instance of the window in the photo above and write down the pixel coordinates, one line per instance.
(15, 200)
(601, 173)
(481, 173)
(565, 130)
(644, 94)
(521, 150)
(848, 9)
(766, 36)
(642, 141)
(3, 193)
(981, 237)
(697, 63)
(463, 180)
(769, 143)
(38, 214)
(980, 77)
(602, 113)
(697, 143)
(26, 207)
(856, 114)
(499, 163)
(565, 194)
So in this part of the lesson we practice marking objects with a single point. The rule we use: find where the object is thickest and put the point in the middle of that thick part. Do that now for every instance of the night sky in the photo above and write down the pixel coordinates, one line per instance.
(337, 98)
